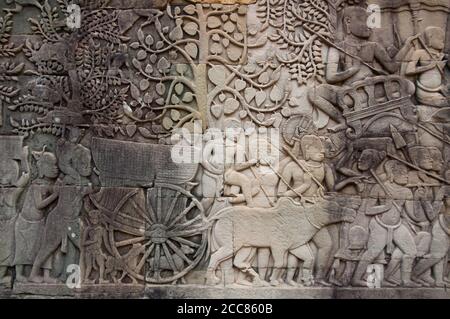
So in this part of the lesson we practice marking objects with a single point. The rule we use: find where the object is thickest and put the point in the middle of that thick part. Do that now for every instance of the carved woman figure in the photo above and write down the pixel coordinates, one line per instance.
(213, 169)
(31, 221)
(62, 221)
(11, 186)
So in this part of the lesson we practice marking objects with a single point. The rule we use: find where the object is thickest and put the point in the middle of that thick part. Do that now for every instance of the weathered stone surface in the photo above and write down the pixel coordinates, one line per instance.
(224, 149)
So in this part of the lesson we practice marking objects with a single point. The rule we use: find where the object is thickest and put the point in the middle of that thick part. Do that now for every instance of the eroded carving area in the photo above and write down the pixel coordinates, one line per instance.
(251, 145)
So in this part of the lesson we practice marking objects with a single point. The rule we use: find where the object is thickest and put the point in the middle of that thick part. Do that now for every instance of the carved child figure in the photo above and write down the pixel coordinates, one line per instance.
(92, 238)
(31, 221)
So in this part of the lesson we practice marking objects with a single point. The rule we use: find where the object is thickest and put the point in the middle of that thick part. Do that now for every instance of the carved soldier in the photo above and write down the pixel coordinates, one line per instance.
(428, 64)
(440, 245)
(388, 201)
(235, 163)
(352, 63)
(306, 181)
(353, 237)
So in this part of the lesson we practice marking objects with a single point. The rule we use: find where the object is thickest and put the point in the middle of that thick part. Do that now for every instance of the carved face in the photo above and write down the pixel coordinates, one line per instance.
(357, 24)
(367, 160)
(82, 162)
(425, 160)
(315, 153)
(9, 172)
(438, 161)
(48, 167)
(400, 173)
(435, 38)
(94, 217)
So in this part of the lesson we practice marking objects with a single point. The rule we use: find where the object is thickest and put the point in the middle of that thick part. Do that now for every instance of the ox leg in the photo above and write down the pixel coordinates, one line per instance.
(304, 253)
(278, 262)
(292, 265)
(223, 253)
(322, 239)
(263, 262)
(243, 261)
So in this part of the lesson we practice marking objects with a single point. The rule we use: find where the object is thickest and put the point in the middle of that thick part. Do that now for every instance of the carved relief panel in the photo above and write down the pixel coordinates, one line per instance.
(265, 144)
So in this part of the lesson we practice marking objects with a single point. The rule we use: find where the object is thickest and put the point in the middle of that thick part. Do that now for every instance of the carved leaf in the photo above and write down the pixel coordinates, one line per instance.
(233, 53)
(240, 84)
(260, 97)
(191, 28)
(276, 94)
(131, 129)
(144, 84)
(134, 91)
(249, 94)
(190, 9)
(188, 97)
(163, 65)
(217, 75)
(191, 49)
(149, 40)
(214, 22)
(216, 110)
(160, 88)
(179, 88)
(231, 105)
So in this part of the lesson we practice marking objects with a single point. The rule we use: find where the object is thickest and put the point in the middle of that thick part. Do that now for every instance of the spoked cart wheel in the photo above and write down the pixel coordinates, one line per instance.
(167, 240)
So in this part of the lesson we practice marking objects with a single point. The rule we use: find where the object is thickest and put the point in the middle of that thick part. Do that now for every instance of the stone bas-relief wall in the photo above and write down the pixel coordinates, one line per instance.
(319, 135)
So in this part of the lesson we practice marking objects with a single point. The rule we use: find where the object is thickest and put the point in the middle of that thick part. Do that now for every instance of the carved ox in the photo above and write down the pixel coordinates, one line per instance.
(285, 228)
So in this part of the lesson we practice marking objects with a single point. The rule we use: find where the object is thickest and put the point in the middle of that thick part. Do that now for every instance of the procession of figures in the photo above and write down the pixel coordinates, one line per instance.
(314, 139)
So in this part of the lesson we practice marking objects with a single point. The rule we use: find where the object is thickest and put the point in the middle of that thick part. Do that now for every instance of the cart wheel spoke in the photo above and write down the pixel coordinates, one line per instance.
(144, 258)
(182, 214)
(129, 241)
(170, 211)
(156, 261)
(158, 205)
(169, 258)
(186, 242)
(151, 212)
(179, 252)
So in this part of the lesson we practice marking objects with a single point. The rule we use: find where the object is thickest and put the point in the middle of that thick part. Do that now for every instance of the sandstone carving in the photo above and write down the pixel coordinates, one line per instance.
(255, 144)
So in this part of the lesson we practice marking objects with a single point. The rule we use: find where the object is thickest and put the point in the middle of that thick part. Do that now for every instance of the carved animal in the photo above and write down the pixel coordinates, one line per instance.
(115, 265)
(283, 228)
